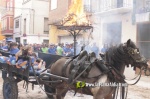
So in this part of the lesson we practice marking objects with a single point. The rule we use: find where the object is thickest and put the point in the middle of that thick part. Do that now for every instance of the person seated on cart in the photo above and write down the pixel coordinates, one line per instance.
(13, 50)
(7, 46)
(23, 57)
(36, 67)
(10, 60)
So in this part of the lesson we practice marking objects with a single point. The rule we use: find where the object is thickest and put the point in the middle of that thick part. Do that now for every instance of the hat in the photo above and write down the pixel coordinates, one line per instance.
(9, 40)
(66, 43)
(51, 44)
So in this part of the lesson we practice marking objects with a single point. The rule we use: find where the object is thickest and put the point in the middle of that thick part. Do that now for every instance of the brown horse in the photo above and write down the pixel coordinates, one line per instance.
(117, 57)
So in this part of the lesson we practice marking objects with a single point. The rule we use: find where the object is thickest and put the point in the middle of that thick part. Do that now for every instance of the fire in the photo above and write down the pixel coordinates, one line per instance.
(76, 15)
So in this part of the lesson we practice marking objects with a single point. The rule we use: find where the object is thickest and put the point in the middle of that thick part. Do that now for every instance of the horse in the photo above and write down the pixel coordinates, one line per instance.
(115, 59)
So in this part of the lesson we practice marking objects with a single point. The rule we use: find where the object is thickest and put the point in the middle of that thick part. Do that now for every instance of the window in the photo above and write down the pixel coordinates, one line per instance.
(25, 41)
(2, 26)
(8, 6)
(24, 26)
(119, 3)
(25, 1)
(11, 23)
(143, 39)
(11, 5)
(105, 5)
(53, 4)
(87, 5)
(46, 26)
(17, 23)
(5, 23)
(46, 41)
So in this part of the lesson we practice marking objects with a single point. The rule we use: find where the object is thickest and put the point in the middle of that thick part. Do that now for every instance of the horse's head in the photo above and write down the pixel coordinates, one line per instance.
(133, 55)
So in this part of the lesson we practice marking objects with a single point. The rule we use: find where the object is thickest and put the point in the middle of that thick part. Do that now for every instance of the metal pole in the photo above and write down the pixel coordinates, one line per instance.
(75, 39)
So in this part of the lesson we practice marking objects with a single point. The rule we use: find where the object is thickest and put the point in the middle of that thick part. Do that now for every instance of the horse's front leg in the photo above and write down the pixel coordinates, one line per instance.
(60, 94)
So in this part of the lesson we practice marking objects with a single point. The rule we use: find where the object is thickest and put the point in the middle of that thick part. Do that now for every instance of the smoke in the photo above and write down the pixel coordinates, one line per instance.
(108, 21)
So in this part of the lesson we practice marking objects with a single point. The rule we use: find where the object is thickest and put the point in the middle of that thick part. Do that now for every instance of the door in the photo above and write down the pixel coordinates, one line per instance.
(143, 39)
(18, 39)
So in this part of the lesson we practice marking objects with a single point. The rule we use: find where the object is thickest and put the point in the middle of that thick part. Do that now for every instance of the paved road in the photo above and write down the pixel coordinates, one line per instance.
(139, 91)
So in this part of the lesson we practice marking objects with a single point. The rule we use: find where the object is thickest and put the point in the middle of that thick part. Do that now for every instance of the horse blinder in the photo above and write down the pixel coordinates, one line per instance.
(135, 54)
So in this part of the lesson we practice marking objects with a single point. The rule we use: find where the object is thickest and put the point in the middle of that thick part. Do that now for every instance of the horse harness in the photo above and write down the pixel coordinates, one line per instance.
(77, 65)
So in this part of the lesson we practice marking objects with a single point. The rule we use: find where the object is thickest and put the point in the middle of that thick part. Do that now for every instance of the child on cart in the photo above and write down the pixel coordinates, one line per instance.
(37, 64)
(27, 54)
(23, 57)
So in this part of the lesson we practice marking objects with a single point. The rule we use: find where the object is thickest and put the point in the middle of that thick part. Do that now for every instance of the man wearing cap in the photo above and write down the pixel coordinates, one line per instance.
(52, 49)
(7, 46)
(11, 60)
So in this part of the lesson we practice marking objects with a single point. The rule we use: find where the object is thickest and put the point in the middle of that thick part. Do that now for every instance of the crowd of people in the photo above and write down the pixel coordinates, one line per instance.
(59, 49)
(20, 54)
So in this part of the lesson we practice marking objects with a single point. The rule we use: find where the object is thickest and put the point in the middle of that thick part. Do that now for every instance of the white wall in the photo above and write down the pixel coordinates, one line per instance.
(34, 12)
(17, 16)
(18, 8)
(41, 11)
(34, 39)
(17, 31)
(128, 30)
(27, 14)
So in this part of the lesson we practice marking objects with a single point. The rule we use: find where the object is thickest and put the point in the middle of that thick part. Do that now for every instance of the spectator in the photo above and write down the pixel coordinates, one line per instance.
(72, 49)
(67, 50)
(59, 49)
(104, 49)
(87, 47)
(52, 49)
(95, 49)
(44, 48)
(13, 48)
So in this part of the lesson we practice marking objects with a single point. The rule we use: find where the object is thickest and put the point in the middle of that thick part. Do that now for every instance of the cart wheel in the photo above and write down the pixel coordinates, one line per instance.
(49, 90)
(10, 88)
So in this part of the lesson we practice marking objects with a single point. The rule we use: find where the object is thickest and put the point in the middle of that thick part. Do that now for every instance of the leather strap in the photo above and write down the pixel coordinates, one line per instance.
(65, 67)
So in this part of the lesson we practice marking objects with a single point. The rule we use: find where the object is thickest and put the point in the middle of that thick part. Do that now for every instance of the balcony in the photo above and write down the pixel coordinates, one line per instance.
(143, 17)
(143, 14)
(114, 9)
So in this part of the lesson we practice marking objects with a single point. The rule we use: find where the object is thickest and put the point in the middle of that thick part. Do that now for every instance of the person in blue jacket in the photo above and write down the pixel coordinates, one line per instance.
(67, 50)
(52, 49)
(13, 50)
(7, 46)
(10, 60)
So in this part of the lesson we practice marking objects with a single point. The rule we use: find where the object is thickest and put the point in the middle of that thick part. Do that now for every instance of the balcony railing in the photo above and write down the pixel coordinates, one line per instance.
(143, 10)
(143, 17)
(102, 8)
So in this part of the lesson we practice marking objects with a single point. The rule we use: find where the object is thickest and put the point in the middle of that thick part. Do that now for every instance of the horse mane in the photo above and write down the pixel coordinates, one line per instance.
(115, 56)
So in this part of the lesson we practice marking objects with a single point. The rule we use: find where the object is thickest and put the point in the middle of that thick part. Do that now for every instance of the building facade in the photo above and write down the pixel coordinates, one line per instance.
(7, 17)
(142, 21)
(31, 21)
(58, 8)
(112, 20)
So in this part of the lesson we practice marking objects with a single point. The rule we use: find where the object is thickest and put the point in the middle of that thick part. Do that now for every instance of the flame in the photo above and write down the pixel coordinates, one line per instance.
(76, 15)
